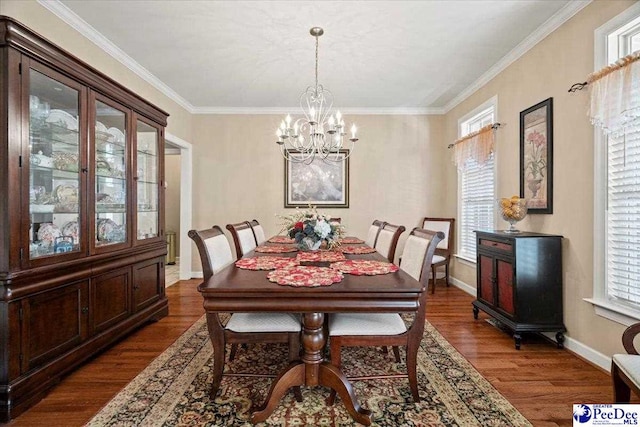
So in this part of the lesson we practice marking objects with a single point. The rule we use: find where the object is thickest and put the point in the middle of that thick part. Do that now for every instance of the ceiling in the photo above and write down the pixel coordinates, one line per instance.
(235, 56)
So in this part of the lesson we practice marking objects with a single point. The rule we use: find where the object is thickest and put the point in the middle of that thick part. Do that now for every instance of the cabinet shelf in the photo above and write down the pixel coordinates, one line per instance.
(57, 173)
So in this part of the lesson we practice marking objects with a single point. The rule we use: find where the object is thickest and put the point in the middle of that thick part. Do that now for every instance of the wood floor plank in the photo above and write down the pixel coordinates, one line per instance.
(541, 381)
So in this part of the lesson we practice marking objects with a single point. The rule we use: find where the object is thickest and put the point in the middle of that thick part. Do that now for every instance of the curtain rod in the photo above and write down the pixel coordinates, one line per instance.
(577, 86)
(471, 135)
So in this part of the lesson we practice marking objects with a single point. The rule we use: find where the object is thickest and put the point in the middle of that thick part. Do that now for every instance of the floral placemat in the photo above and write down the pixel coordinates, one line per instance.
(276, 249)
(362, 267)
(357, 250)
(305, 276)
(281, 239)
(266, 263)
(351, 241)
(324, 256)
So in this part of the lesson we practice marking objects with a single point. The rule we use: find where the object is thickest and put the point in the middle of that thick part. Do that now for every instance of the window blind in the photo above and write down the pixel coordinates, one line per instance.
(477, 199)
(623, 218)
(477, 191)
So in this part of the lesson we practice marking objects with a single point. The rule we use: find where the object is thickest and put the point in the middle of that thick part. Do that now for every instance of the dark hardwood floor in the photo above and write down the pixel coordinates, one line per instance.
(541, 381)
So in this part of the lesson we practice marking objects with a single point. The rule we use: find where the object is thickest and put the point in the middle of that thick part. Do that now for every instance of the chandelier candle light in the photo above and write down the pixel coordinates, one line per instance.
(319, 132)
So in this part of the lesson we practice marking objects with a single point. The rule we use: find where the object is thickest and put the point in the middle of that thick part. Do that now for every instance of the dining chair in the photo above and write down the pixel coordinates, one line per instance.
(258, 232)
(372, 234)
(625, 368)
(387, 240)
(442, 256)
(244, 238)
(215, 254)
(384, 329)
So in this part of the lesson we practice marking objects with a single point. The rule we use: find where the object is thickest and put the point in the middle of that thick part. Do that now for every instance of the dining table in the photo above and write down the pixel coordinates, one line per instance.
(239, 290)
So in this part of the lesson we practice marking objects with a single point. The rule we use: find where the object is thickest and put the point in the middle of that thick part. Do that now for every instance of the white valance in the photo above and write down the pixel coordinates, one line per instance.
(477, 145)
(615, 96)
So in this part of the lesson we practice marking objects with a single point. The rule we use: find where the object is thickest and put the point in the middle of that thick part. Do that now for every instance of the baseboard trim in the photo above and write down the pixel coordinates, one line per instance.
(197, 275)
(583, 351)
(471, 290)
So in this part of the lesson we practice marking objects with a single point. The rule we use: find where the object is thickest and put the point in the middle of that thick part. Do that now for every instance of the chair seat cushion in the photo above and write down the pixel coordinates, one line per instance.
(630, 365)
(264, 322)
(366, 324)
(437, 258)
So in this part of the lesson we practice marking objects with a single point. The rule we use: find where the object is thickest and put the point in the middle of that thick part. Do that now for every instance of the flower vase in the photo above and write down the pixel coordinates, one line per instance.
(534, 186)
(308, 244)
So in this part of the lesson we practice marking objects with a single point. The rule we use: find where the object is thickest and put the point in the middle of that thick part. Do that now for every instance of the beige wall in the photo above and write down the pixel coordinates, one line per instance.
(172, 196)
(39, 19)
(238, 172)
(548, 70)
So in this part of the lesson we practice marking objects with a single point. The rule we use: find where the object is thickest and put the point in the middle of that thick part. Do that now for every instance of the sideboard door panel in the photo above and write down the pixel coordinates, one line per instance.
(111, 298)
(148, 283)
(67, 309)
(504, 281)
(486, 279)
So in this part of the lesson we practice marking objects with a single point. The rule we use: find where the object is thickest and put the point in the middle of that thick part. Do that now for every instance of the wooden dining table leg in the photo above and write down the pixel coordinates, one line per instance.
(312, 370)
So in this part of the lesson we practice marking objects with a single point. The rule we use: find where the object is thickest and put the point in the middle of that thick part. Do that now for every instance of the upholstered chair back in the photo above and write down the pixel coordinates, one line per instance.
(215, 251)
(258, 231)
(418, 253)
(244, 237)
(441, 224)
(388, 240)
(415, 248)
(372, 234)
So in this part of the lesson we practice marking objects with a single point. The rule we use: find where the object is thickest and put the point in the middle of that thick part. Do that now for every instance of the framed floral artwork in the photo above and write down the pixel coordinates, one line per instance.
(536, 157)
(319, 183)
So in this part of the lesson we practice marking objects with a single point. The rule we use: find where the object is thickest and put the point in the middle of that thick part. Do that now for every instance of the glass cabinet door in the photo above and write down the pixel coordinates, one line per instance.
(148, 179)
(110, 171)
(54, 164)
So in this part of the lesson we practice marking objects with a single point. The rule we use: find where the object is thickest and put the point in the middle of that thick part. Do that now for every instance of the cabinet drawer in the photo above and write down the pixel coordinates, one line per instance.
(497, 245)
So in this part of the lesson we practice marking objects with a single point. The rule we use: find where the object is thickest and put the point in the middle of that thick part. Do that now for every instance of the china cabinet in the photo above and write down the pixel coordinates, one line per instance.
(81, 238)
(520, 282)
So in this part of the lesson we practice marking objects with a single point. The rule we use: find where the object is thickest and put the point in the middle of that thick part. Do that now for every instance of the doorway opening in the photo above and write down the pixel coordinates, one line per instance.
(178, 202)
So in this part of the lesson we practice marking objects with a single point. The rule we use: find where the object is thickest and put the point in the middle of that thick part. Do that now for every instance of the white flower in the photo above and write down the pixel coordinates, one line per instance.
(322, 229)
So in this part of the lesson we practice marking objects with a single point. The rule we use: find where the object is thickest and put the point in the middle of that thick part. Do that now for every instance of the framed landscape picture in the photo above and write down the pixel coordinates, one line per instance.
(536, 157)
(320, 183)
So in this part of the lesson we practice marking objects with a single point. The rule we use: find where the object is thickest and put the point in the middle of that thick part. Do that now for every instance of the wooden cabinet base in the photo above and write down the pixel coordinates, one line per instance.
(19, 395)
(519, 328)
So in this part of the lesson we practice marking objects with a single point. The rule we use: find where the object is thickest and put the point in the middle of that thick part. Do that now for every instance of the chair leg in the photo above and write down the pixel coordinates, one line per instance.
(336, 360)
(216, 334)
(412, 359)
(232, 353)
(294, 354)
(621, 391)
(433, 278)
(446, 273)
(396, 353)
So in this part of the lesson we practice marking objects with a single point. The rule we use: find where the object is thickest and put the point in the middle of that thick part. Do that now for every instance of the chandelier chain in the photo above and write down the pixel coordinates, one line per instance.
(316, 63)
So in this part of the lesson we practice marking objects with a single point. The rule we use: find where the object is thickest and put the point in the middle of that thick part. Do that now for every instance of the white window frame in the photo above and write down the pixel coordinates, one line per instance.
(610, 41)
(491, 103)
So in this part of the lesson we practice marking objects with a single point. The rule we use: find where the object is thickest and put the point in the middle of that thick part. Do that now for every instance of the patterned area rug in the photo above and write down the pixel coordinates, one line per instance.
(173, 390)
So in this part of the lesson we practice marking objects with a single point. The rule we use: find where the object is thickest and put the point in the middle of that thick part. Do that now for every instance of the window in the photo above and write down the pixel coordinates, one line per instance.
(617, 211)
(476, 186)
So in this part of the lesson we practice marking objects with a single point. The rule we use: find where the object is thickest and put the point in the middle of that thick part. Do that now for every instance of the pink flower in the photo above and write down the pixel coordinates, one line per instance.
(536, 138)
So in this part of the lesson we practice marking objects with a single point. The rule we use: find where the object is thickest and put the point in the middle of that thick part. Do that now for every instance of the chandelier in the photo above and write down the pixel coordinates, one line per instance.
(319, 133)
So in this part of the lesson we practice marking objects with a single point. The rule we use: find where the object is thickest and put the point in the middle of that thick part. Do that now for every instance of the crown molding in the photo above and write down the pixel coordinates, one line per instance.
(352, 111)
(549, 26)
(97, 38)
(80, 25)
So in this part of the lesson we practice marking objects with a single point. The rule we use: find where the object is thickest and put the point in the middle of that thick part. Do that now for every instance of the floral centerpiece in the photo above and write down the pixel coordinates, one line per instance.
(310, 229)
